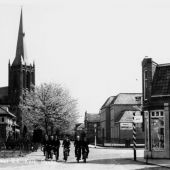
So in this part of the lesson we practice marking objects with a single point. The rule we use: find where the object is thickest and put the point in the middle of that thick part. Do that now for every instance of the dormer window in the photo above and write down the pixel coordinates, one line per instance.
(138, 98)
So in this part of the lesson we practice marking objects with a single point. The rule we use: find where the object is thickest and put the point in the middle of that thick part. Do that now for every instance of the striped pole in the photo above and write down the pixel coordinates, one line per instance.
(134, 137)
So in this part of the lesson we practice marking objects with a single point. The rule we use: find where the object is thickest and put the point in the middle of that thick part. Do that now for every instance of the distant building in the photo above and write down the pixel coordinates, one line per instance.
(156, 107)
(92, 122)
(79, 130)
(121, 117)
(105, 119)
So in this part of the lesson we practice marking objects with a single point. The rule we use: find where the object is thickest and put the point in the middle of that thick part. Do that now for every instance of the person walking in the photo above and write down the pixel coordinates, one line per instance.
(78, 145)
(44, 143)
(56, 146)
(51, 146)
(66, 144)
(85, 147)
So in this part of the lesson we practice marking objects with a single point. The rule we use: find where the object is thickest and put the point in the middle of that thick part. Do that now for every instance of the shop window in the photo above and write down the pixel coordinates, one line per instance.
(157, 130)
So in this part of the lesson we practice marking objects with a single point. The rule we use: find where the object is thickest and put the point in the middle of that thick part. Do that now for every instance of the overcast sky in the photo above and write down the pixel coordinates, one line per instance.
(92, 47)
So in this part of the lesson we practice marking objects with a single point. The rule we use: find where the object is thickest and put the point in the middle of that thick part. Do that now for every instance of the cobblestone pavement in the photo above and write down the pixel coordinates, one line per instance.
(99, 159)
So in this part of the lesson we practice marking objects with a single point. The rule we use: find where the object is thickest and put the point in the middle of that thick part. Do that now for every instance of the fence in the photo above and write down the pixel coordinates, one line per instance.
(119, 142)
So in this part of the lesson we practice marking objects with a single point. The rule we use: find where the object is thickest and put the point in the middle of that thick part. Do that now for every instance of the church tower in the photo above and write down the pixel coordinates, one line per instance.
(21, 73)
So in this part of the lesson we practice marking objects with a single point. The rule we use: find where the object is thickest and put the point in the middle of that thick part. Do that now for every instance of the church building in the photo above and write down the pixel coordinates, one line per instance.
(21, 75)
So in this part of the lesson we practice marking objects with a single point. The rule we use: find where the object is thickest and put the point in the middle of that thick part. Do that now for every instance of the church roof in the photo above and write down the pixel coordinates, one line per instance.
(20, 57)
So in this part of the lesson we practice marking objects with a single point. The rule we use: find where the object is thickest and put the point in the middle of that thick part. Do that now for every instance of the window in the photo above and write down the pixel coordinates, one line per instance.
(138, 98)
(157, 130)
(2, 119)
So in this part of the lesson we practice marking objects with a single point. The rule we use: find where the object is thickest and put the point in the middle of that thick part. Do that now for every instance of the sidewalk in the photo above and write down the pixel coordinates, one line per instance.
(158, 162)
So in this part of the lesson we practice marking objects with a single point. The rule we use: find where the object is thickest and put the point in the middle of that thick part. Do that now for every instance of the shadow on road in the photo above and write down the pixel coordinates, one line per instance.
(121, 161)
(153, 168)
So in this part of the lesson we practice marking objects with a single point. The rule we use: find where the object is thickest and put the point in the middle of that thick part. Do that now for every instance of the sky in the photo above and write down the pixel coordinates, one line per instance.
(94, 48)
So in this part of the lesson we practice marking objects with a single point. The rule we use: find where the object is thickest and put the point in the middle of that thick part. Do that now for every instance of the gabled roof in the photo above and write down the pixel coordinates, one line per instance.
(4, 111)
(161, 80)
(81, 126)
(127, 116)
(108, 102)
(20, 57)
(90, 117)
(127, 98)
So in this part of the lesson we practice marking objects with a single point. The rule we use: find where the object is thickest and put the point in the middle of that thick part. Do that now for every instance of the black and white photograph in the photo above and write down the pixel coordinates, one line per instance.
(84, 84)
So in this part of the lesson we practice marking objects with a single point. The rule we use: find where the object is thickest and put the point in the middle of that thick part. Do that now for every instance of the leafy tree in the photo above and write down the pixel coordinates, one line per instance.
(50, 107)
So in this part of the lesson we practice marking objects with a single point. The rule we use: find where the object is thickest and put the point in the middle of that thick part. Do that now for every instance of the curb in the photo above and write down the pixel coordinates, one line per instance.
(149, 163)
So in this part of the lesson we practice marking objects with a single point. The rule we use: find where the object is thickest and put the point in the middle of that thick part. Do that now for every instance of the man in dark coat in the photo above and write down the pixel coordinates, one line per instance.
(66, 144)
(56, 146)
(85, 146)
(78, 145)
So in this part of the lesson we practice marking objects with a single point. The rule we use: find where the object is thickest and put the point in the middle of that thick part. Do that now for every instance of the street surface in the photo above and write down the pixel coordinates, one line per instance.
(99, 159)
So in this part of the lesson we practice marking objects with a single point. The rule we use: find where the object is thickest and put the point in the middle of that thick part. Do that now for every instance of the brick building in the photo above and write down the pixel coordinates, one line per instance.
(156, 107)
(121, 117)
(92, 121)
(105, 119)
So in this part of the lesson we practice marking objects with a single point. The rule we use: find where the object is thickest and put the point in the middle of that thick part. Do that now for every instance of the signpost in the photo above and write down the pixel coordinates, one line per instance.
(95, 126)
(134, 137)
(136, 119)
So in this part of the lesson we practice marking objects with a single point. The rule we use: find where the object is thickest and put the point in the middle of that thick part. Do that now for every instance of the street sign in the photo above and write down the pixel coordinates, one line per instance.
(126, 126)
(137, 119)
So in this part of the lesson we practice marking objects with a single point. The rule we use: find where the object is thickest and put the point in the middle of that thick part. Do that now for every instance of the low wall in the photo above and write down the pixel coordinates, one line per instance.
(10, 153)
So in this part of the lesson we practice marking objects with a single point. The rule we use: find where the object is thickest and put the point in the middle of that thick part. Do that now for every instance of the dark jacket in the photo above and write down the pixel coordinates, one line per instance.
(56, 143)
(77, 144)
(66, 144)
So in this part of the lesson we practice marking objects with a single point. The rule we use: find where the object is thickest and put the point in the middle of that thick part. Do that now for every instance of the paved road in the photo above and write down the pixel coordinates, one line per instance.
(99, 159)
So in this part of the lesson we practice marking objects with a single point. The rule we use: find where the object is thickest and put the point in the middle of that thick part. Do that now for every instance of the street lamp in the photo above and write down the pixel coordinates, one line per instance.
(95, 126)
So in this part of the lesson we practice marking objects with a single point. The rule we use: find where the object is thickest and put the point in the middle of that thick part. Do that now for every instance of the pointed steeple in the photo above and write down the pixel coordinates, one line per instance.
(20, 57)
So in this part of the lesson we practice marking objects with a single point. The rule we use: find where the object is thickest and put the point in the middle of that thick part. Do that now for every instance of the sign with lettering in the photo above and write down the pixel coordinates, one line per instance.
(137, 119)
(126, 126)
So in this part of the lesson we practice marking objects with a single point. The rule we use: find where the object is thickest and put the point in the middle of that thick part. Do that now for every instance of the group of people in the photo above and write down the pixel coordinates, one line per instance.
(51, 145)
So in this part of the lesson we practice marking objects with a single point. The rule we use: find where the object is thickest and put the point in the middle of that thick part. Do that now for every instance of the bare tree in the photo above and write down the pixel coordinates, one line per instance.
(49, 106)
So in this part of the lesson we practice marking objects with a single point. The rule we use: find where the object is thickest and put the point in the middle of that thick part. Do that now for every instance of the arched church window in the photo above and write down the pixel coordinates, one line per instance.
(24, 82)
(28, 80)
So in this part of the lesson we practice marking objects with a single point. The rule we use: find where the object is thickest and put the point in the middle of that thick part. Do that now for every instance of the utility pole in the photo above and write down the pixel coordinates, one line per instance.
(95, 126)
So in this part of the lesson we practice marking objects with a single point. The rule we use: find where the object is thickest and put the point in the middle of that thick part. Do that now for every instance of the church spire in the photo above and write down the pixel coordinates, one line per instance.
(20, 57)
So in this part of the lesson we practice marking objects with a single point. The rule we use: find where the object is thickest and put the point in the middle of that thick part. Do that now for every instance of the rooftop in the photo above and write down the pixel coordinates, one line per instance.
(161, 80)
(128, 98)
(91, 117)
(108, 102)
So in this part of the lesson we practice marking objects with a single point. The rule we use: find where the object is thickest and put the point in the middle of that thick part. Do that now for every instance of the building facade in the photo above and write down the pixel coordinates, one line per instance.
(92, 126)
(121, 117)
(156, 107)
(8, 126)
(105, 119)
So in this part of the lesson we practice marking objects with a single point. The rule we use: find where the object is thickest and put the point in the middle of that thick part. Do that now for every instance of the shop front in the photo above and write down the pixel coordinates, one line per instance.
(157, 132)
